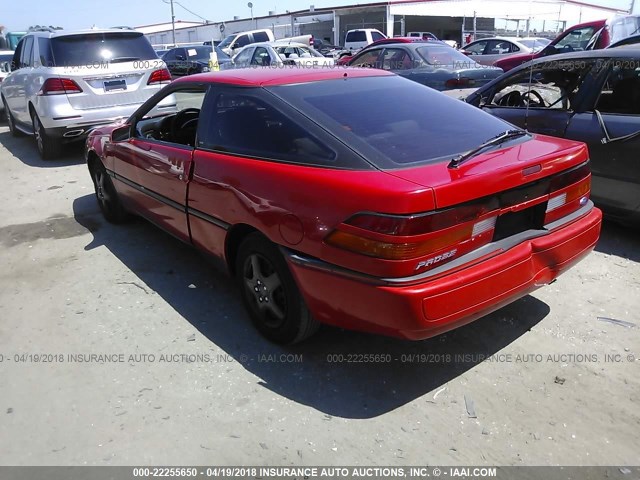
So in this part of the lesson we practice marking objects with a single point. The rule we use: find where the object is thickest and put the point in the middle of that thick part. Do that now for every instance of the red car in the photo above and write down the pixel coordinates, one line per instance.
(585, 36)
(355, 198)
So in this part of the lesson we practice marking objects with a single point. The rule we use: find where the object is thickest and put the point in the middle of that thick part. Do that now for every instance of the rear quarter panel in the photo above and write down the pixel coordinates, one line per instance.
(295, 206)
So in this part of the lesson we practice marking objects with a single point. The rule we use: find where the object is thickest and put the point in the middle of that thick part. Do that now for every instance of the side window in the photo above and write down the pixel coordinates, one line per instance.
(260, 37)
(621, 92)
(26, 59)
(170, 55)
(243, 58)
(368, 59)
(396, 59)
(15, 63)
(242, 41)
(245, 125)
(549, 85)
(261, 57)
(476, 48)
(173, 119)
(375, 36)
(498, 47)
(44, 50)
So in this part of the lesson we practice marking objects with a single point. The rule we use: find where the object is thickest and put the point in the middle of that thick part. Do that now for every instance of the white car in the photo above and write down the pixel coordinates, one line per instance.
(489, 50)
(64, 84)
(272, 54)
(359, 38)
(6, 56)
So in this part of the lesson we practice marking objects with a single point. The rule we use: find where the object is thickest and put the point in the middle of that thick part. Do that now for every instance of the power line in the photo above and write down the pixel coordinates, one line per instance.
(190, 11)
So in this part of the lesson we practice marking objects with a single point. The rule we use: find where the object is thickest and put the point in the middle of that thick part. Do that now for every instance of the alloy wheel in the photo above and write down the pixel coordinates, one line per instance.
(265, 290)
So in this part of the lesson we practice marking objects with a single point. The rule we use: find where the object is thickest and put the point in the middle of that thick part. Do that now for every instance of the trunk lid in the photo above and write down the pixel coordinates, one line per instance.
(517, 163)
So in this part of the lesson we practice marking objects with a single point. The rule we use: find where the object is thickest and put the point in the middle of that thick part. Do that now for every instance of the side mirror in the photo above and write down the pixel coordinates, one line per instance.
(121, 134)
(5, 67)
(465, 52)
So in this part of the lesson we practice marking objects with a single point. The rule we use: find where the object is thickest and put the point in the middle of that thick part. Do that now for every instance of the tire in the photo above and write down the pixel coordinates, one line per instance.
(10, 120)
(270, 294)
(48, 147)
(106, 195)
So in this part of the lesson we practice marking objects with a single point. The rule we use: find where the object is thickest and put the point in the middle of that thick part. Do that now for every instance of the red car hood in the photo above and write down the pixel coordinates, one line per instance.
(498, 170)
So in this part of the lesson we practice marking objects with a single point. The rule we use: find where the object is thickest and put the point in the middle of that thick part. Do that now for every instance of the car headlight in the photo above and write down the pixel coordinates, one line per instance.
(205, 69)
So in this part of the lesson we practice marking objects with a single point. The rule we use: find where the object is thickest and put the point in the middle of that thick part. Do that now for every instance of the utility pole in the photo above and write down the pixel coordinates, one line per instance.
(633, 3)
(173, 25)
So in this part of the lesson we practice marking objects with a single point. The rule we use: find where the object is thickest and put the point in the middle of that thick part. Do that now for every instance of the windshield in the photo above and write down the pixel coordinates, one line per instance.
(393, 121)
(442, 55)
(90, 48)
(227, 41)
(576, 39)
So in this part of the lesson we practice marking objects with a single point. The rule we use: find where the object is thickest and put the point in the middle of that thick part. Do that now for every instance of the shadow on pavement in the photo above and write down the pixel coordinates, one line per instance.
(337, 388)
(24, 149)
(619, 240)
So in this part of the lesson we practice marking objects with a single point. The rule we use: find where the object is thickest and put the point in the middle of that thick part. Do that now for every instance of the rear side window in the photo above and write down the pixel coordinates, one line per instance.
(260, 37)
(91, 48)
(26, 58)
(44, 51)
(358, 36)
(245, 125)
(393, 121)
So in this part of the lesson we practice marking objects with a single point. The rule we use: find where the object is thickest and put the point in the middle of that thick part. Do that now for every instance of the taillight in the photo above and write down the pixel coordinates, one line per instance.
(568, 199)
(463, 82)
(59, 86)
(159, 76)
(442, 235)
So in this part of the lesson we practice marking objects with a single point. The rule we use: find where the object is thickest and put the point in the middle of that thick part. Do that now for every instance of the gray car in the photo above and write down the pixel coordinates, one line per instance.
(63, 84)
(431, 63)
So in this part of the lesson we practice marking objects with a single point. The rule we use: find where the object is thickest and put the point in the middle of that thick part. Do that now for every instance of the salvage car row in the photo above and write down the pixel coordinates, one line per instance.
(352, 197)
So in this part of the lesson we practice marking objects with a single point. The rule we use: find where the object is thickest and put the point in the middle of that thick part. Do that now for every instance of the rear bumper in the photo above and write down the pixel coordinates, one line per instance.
(436, 305)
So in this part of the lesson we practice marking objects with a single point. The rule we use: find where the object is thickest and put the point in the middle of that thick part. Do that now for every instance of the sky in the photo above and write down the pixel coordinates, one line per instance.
(74, 14)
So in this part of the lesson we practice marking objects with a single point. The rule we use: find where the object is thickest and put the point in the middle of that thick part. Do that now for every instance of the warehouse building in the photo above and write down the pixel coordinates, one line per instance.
(448, 19)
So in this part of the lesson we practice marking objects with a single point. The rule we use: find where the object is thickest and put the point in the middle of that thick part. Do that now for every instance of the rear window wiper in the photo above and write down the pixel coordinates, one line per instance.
(124, 59)
(463, 157)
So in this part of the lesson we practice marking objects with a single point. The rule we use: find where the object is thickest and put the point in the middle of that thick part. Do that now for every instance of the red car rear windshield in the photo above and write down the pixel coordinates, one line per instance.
(391, 121)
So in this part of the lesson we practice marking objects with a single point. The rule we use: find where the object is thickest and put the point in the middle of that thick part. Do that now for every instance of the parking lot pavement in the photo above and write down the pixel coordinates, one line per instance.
(120, 345)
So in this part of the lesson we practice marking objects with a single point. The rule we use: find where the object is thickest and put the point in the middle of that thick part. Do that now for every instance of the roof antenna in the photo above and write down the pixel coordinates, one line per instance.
(526, 113)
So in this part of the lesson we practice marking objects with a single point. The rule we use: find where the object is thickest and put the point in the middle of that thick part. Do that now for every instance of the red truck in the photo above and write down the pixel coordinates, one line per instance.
(584, 36)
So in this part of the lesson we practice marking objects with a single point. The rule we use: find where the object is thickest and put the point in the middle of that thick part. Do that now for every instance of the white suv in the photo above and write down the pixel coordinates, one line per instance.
(63, 84)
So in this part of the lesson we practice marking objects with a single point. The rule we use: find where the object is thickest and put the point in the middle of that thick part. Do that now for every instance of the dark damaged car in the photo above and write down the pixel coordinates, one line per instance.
(431, 63)
(593, 97)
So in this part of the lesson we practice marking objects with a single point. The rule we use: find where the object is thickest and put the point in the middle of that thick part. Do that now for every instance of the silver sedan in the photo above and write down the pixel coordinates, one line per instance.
(489, 50)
